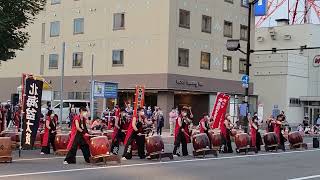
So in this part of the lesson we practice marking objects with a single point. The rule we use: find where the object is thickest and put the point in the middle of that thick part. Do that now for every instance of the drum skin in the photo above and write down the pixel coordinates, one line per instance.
(242, 140)
(295, 138)
(154, 144)
(270, 139)
(61, 141)
(200, 141)
(99, 146)
(216, 139)
(5, 147)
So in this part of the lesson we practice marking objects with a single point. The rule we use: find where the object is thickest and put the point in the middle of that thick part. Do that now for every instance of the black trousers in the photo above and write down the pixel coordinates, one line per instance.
(78, 141)
(181, 139)
(127, 153)
(282, 140)
(258, 141)
(46, 149)
(116, 142)
(227, 143)
(159, 130)
(210, 144)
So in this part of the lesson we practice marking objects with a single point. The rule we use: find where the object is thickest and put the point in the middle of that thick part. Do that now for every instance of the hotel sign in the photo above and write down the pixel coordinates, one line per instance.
(189, 83)
(316, 61)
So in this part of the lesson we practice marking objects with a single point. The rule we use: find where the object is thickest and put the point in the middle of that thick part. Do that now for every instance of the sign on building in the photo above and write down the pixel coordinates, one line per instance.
(260, 8)
(105, 90)
(316, 61)
(32, 111)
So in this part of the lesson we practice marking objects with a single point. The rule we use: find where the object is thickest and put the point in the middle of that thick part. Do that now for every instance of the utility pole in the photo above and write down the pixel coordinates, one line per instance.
(92, 88)
(61, 81)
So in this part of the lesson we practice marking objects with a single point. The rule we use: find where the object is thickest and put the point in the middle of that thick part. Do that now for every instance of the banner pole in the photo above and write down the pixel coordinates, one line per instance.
(22, 110)
(92, 88)
(61, 81)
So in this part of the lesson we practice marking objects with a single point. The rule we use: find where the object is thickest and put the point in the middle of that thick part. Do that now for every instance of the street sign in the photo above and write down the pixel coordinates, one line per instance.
(245, 81)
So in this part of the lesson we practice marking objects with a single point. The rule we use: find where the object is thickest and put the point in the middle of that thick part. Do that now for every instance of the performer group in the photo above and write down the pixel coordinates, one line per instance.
(131, 128)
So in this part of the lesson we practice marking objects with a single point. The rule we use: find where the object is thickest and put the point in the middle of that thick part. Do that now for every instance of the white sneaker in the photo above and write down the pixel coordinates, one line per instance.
(42, 153)
(124, 159)
(65, 163)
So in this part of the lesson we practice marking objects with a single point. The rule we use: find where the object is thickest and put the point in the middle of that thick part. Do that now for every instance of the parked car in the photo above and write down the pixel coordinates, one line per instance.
(66, 108)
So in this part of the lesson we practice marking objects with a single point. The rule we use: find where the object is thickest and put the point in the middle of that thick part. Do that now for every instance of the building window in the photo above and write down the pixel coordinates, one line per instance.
(205, 60)
(227, 30)
(71, 95)
(244, 3)
(54, 28)
(295, 102)
(229, 1)
(86, 95)
(243, 32)
(77, 59)
(117, 57)
(206, 24)
(242, 66)
(53, 61)
(227, 64)
(118, 21)
(56, 95)
(43, 32)
(55, 2)
(41, 64)
(183, 57)
(184, 19)
(78, 26)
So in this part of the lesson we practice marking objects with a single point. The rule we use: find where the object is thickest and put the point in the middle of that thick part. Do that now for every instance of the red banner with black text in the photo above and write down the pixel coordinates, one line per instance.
(220, 109)
(139, 99)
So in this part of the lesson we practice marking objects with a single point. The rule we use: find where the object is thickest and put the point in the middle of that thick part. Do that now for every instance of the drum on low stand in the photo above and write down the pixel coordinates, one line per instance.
(155, 148)
(216, 140)
(201, 145)
(61, 142)
(296, 140)
(242, 142)
(100, 150)
(5, 149)
(270, 141)
(14, 136)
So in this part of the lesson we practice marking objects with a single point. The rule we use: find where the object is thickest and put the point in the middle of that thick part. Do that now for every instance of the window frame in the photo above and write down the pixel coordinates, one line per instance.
(122, 60)
(51, 29)
(188, 57)
(124, 21)
(51, 55)
(245, 61)
(74, 26)
(54, 2)
(246, 33)
(73, 60)
(202, 25)
(185, 26)
(224, 29)
(205, 53)
(228, 70)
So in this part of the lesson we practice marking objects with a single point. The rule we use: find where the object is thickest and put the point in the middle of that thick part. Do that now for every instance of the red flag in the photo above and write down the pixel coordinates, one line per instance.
(139, 98)
(219, 110)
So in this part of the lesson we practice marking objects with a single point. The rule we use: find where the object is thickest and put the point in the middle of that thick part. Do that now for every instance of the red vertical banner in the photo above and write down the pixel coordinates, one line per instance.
(220, 109)
(139, 98)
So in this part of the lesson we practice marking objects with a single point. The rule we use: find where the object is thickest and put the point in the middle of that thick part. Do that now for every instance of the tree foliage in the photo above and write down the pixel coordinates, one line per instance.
(15, 16)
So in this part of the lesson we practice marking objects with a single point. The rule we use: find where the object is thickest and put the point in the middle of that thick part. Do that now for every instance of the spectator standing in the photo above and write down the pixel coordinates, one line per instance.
(173, 115)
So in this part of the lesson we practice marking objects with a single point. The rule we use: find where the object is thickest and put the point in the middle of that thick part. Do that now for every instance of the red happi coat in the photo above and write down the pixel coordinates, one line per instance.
(74, 131)
(223, 129)
(130, 130)
(202, 129)
(46, 133)
(253, 134)
(177, 130)
(277, 130)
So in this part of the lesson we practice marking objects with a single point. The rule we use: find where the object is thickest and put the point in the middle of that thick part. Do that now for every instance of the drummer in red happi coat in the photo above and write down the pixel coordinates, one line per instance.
(181, 134)
(78, 136)
(205, 125)
(226, 128)
(49, 133)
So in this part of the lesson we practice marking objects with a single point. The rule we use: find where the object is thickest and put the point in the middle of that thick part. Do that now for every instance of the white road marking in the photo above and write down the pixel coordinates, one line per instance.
(306, 177)
(153, 163)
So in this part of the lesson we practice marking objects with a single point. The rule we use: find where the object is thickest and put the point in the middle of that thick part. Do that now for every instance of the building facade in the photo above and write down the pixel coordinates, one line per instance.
(176, 48)
(288, 80)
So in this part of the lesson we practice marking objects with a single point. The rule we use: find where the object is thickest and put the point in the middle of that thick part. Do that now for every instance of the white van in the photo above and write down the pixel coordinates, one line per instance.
(66, 107)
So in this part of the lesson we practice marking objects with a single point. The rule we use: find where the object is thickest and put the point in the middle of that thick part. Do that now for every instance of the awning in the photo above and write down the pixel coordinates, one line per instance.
(309, 98)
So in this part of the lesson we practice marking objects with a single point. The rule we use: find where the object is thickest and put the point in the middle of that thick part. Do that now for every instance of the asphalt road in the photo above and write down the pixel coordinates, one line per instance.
(263, 166)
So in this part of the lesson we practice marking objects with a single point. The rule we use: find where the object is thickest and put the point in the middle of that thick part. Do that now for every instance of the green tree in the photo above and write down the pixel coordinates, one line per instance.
(15, 16)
